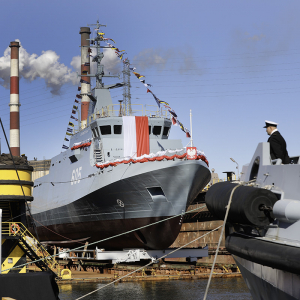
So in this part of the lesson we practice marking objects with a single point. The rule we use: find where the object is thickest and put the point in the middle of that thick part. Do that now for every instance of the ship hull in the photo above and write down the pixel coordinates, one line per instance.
(158, 236)
(266, 283)
(271, 269)
(126, 204)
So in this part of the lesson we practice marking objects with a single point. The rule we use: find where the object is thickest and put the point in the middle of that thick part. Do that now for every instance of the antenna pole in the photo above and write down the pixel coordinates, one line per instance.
(98, 57)
(126, 88)
(191, 128)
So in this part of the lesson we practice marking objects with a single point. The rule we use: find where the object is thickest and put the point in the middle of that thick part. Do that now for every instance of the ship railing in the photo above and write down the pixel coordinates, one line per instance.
(115, 110)
(28, 240)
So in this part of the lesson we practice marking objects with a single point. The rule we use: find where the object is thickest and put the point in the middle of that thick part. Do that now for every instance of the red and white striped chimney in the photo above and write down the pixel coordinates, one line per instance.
(14, 100)
(85, 66)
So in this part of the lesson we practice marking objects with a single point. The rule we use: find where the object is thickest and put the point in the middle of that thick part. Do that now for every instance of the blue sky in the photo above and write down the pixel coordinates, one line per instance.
(234, 63)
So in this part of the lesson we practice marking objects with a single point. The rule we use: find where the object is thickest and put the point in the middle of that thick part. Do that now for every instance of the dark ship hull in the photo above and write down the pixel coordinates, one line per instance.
(125, 205)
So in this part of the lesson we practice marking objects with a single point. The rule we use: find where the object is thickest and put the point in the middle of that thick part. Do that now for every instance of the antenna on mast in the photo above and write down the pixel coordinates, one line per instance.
(99, 56)
(191, 128)
(126, 88)
(98, 25)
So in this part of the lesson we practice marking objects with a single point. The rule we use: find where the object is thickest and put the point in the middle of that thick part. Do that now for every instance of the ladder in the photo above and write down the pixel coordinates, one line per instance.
(31, 246)
(98, 156)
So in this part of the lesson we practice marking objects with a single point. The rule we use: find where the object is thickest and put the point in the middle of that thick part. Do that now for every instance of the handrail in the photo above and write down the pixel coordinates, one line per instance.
(18, 229)
(113, 110)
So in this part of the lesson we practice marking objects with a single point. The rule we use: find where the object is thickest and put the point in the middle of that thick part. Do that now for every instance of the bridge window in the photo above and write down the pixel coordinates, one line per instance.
(166, 131)
(156, 130)
(105, 129)
(149, 130)
(117, 129)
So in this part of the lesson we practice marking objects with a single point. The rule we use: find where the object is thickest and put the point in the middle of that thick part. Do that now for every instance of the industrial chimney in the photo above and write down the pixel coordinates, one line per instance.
(85, 69)
(14, 100)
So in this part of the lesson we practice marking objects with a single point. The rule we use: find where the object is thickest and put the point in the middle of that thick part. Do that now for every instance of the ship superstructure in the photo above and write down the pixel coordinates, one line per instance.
(120, 172)
(263, 224)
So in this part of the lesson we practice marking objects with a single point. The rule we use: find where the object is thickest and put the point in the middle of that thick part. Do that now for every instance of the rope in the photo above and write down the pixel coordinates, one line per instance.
(221, 236)
(14, 217)
(100, 241)
(150, 263)
(56, 232)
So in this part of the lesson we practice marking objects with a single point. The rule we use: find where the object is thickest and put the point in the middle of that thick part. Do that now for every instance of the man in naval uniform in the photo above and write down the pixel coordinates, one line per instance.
(277, 143)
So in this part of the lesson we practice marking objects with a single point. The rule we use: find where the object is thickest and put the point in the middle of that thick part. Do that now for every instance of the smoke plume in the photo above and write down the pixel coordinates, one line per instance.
(160, 59)
(47, 67)
(112, 64)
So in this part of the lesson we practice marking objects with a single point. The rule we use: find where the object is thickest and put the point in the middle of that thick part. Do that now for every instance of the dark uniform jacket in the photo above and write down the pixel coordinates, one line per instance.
(278, 147)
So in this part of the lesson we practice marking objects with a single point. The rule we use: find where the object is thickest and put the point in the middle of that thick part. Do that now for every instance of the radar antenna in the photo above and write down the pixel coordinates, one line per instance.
(95, 43)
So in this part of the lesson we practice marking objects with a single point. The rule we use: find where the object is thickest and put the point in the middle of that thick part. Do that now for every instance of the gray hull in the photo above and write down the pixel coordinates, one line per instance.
(267, 283)
(147, 193)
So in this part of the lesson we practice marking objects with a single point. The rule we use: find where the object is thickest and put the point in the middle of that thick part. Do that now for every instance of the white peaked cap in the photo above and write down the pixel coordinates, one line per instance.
(270, 123)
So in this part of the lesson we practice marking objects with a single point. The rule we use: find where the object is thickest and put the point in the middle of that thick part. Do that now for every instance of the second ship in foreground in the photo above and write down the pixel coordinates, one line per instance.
(263, 224)
(121, 172)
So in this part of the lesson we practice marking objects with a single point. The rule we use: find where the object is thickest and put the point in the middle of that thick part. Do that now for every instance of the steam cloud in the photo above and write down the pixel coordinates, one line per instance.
(48, 67)
(112, 64)
(158, 59)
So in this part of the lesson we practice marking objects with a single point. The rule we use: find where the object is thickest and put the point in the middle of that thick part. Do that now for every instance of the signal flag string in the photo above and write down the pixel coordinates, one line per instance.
(71, 125)
(120, 54)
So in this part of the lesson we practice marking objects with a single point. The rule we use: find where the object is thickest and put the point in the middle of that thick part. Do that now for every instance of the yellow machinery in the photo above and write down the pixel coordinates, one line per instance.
(17, 241)
(12, 203)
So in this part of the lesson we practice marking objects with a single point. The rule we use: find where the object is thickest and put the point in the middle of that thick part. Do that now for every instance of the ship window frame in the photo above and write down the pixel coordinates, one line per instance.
(118, 126)
(104, 128)
(154, 130)
(168, 130)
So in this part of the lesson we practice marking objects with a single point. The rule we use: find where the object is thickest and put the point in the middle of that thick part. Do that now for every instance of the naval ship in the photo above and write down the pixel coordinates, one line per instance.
(121, 172)
(264, 224)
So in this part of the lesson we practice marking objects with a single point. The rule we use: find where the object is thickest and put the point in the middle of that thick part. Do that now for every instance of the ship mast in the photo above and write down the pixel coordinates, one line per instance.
(126, 88)
(99, 56)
